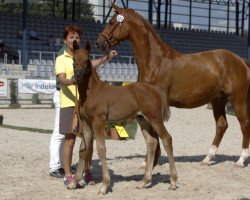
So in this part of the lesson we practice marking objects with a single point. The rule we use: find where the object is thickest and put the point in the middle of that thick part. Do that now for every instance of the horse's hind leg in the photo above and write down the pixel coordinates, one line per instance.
(147, 129)
(242, 112)
(98, 127)
(219, 113)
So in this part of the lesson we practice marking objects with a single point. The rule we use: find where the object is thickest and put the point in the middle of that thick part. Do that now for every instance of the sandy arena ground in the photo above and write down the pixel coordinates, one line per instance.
(25, 156)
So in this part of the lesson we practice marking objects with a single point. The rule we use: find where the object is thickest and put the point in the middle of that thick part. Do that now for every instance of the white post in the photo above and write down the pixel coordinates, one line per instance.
(5, 58)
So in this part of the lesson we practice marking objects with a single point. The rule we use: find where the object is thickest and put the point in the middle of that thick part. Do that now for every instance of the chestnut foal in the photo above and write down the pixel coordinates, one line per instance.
(99, 102)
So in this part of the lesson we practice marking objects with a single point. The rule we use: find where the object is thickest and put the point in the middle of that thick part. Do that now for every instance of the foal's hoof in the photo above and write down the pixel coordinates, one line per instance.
(141, 185)
(71, 186)
(172, 187)
(102, 191)
(239, 165)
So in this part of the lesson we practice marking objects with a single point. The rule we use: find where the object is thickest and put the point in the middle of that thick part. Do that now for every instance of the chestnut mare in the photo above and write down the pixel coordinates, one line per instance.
(189, 80)
(99, 102)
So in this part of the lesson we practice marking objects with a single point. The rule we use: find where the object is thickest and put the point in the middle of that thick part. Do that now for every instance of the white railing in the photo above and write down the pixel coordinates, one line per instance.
(41, 53)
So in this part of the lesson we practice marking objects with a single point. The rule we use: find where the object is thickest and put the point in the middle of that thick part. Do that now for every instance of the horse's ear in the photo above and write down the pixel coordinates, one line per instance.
(75, 45)
(87, 46)
(117, 9)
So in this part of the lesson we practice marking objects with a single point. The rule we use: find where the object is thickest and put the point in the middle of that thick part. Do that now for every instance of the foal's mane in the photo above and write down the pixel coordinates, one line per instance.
(92, 72)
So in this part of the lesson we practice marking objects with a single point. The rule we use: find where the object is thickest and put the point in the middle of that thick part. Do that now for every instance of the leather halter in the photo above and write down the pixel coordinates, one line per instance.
(83, 72)
(110, 35)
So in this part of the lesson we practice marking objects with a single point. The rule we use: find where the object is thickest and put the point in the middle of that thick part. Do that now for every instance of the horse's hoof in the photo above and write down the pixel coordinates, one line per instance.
(205, 163)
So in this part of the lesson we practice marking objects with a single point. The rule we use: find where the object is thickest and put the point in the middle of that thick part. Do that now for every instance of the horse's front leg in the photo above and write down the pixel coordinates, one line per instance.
(147, 129)
(81, 162)
(99, 126)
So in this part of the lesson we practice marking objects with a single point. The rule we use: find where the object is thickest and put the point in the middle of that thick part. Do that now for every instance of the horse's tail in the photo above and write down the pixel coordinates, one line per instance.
(248, 95)
(166, 111)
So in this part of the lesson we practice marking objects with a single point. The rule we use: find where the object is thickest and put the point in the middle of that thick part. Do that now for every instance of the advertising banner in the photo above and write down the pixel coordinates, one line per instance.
(36, 86)
(3, 87)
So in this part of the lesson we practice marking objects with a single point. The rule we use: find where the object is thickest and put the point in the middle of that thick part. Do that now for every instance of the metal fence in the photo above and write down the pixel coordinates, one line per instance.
(222, 15)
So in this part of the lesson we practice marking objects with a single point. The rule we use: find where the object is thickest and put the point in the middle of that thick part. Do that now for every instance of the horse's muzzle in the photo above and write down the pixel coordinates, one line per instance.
(102, 43)
(78, 74)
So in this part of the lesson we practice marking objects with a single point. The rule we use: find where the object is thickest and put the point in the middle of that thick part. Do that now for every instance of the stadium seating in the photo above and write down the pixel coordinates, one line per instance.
(191, 41)
(122, 67)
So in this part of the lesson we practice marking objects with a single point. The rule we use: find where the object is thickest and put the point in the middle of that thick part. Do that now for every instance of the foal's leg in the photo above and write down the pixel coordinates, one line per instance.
(151, 144)
(147, 129)
(98, 127)
(219, 113)
(83, 149)
(167, 143)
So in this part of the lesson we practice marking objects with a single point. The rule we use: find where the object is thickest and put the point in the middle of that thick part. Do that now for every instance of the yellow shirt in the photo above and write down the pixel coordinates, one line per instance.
(64, 64)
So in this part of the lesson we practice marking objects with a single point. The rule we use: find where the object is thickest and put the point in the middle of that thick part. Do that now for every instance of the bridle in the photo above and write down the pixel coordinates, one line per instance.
(78, 78)
(108, 37)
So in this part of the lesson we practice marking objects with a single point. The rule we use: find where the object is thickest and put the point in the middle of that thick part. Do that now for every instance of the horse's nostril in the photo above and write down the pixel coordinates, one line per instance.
(78, 73)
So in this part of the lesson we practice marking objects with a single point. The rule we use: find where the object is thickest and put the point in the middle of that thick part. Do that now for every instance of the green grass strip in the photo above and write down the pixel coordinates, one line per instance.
(20, 128)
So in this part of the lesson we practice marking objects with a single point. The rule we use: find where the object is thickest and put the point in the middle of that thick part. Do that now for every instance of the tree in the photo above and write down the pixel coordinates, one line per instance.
(86, 10)
(48, 8)
(13, 95)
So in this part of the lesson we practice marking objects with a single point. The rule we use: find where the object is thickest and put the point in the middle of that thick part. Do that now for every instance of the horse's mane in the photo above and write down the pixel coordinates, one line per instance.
(147, 25)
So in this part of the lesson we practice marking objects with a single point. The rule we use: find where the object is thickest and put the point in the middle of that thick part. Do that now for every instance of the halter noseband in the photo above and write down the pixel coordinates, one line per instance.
(119, 20)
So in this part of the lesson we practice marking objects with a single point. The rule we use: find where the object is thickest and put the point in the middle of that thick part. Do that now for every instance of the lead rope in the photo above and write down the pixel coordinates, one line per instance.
(97, 67)
(76, 121)
(76, 111)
